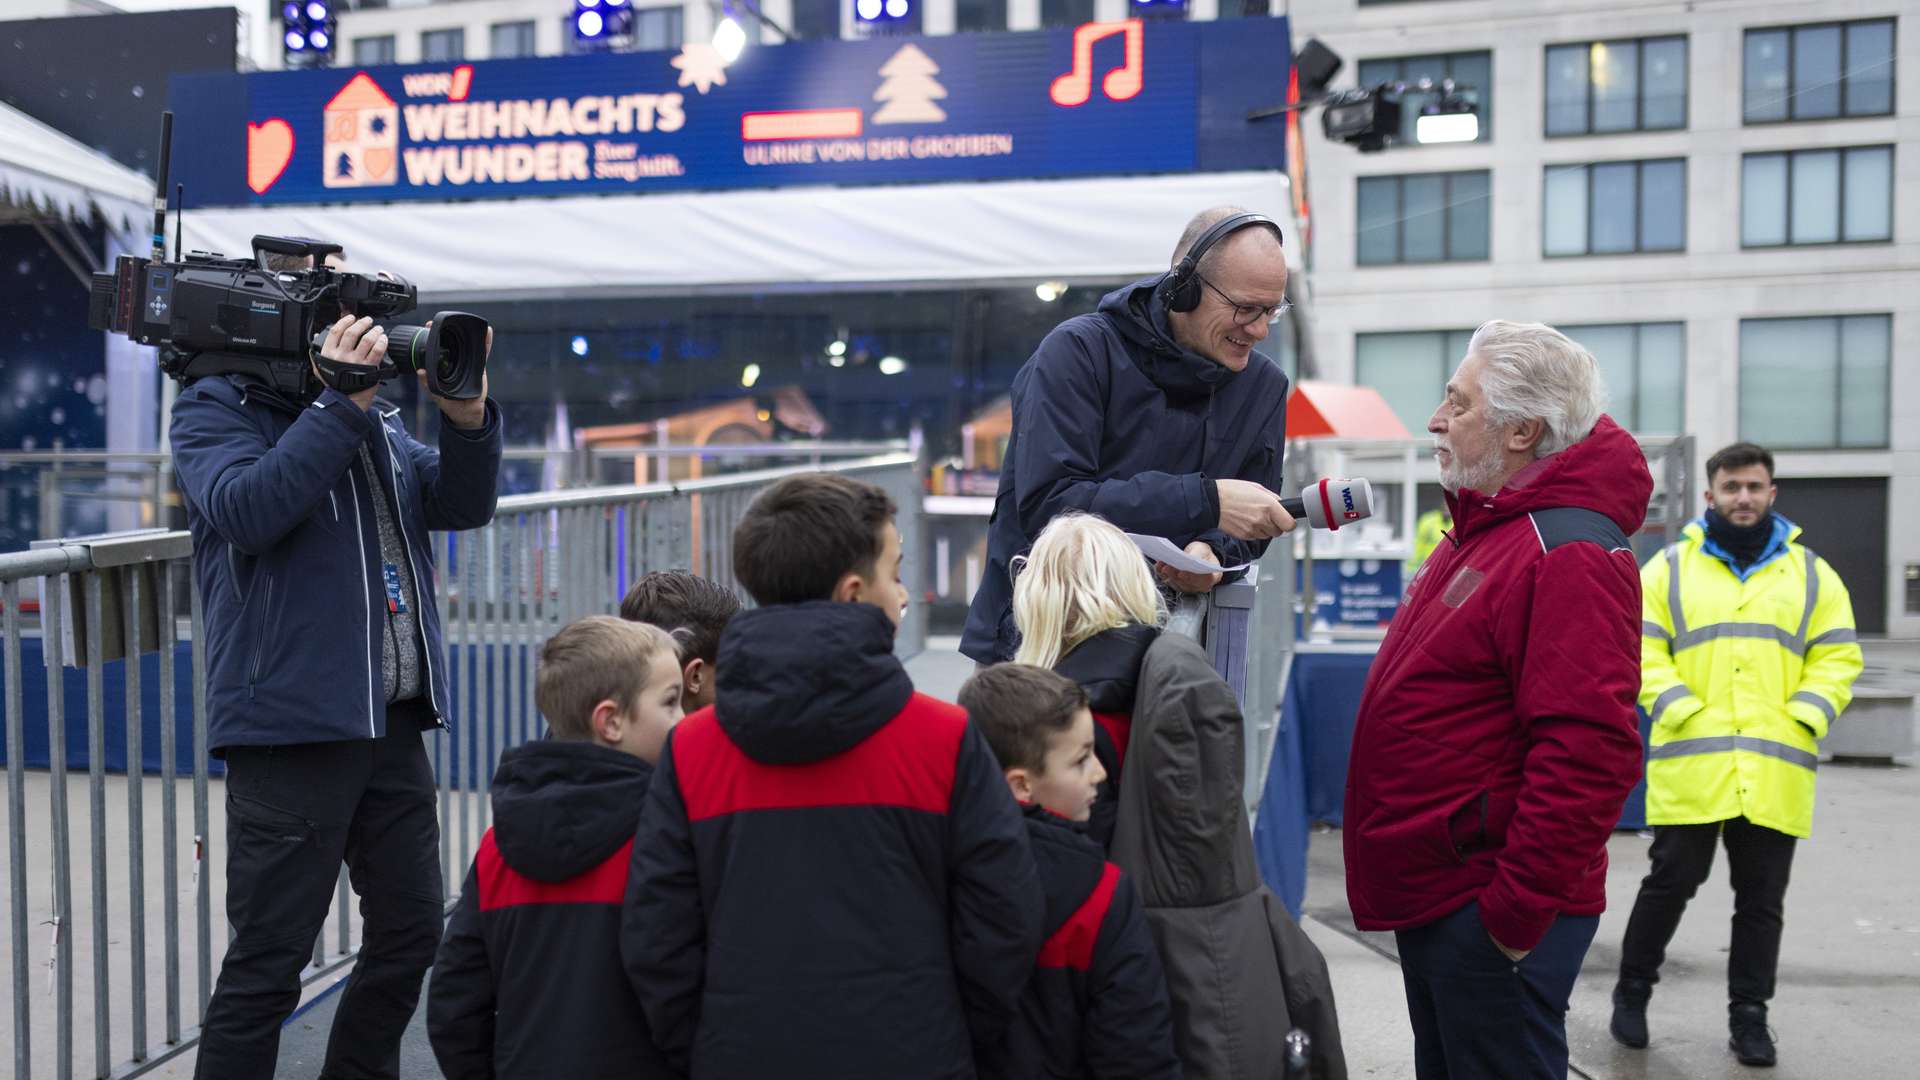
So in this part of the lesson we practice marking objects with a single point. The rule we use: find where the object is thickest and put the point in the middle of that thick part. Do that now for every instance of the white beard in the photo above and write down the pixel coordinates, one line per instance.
(1454, 478)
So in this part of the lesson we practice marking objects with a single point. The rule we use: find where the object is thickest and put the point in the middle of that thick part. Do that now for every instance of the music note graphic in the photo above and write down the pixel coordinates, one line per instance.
(1123, 82)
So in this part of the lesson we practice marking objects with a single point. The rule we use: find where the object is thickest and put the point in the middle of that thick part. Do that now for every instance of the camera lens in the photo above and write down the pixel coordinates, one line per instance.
(452, 351)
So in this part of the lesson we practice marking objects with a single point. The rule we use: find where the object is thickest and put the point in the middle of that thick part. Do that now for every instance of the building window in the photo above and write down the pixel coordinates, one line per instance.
(1245, 9)
(1819, 72)
(657, 29)
(436, 45)
(1616, 207)
(512, 39)
(1474, 69)
(1410, 370)
(816, 20)
(1425, 218)
(1068, 13)
(1644, 366)
(1817, 197)
(979, 16)
(1599, 87)
(373, 50)
(1815, 384)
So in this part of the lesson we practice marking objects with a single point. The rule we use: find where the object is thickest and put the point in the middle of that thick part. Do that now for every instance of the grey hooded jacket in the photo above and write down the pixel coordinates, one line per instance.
(1241, 974)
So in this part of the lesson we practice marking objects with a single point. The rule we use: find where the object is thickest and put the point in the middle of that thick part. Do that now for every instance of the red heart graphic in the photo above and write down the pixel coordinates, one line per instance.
(269, 148)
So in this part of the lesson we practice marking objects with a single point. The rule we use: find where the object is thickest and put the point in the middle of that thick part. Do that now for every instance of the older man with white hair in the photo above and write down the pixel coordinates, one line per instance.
(1497, 738)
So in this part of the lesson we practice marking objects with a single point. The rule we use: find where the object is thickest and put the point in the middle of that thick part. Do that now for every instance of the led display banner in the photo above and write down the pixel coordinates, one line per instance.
(1101, 99)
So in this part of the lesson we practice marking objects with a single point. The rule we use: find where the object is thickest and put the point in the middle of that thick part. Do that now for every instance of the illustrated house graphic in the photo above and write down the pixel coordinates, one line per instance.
(362, 147)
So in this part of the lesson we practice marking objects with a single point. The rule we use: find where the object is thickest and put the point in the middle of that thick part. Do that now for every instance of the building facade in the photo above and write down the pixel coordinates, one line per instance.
(1721, 199)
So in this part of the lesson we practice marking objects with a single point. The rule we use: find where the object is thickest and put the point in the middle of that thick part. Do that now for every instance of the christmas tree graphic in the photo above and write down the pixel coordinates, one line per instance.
(909, 89)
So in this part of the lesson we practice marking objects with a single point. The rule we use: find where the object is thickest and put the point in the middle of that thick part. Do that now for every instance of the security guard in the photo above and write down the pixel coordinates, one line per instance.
(1748, 656)
(1428, 530)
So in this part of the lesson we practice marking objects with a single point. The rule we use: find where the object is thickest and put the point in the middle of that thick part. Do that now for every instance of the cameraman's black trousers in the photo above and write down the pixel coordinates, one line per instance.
(294, 813)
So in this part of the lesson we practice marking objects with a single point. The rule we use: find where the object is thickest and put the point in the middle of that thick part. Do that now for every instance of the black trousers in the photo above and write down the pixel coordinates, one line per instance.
(1758, 859)
(293, 814)
(1477, 1014)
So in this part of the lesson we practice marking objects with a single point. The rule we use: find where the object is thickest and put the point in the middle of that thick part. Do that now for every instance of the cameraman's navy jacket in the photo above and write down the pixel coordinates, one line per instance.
(287, 553)
(1114, 417)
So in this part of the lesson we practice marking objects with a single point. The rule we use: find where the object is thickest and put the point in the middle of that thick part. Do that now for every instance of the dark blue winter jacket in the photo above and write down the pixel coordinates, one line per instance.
(287, 554)
(1114, 417)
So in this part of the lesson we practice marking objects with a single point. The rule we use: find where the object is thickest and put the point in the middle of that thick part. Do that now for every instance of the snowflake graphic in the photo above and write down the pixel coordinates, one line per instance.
(378, 125)
(700, 66)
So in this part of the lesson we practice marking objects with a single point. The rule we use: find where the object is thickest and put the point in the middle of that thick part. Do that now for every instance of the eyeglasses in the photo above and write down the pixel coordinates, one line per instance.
(1247, 314)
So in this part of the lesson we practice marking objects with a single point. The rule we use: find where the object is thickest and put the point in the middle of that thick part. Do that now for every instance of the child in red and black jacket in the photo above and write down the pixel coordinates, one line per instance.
(830, 878)
(1096, 1005)
(528, 982)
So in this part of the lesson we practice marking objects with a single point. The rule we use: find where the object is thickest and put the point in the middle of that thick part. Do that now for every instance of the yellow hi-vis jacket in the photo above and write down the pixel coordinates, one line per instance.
(1741, 679)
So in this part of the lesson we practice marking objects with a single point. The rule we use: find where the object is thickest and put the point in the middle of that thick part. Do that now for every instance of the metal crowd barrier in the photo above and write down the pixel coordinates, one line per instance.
(1246, 626)
(117, 599)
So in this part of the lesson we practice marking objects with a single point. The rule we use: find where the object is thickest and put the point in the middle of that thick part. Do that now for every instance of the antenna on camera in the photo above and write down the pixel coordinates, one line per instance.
(179, 219)
(160, 188)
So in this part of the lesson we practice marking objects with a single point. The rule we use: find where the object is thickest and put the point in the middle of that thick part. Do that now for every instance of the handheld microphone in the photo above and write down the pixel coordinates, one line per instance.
(1329, 504)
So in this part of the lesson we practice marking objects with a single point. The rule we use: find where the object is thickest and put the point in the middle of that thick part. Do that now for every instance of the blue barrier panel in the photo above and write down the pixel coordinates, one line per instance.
(1280, 830)
(33, 693)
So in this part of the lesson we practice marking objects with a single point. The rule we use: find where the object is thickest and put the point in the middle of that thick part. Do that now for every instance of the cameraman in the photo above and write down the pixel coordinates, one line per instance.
(324, 664)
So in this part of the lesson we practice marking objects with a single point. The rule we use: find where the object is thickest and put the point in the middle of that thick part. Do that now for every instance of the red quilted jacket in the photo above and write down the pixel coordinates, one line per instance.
(1497, 739)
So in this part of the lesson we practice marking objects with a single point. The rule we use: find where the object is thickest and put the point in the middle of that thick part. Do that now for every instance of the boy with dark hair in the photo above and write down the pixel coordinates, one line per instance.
(528, 982)
(695, 611)
(1096, 1005)
(830, 879)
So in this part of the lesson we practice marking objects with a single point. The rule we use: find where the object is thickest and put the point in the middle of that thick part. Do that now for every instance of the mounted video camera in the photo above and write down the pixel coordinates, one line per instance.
(216, 315)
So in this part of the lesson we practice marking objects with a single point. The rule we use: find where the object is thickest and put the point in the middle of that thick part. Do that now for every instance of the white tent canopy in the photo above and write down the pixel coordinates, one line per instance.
(43, 171)
(1022, 231)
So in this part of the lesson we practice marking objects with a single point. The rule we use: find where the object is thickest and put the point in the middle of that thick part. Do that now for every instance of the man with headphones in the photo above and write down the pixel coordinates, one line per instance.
(1155, 413)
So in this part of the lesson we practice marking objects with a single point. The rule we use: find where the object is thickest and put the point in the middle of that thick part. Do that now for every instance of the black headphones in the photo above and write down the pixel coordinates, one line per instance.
(1183, 283)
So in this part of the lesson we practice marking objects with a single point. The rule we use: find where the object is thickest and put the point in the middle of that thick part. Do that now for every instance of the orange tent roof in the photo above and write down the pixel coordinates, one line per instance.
(1322, 410)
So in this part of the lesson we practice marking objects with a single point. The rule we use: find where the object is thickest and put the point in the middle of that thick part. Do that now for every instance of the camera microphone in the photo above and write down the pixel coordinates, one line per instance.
(1329, 504)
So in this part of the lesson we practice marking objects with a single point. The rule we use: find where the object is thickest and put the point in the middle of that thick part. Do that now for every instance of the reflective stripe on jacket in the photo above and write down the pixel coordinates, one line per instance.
(1742, 679)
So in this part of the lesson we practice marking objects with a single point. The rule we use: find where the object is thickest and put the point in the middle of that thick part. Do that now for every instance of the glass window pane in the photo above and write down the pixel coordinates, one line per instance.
(1567, 90)
(511, 39)
(1468, 210)
(373, 50)
(657, 29)
(819, 20)
(1615, 215)
(1869, 68)
(1379, 220)
(1456, 351)
(1763, 200)
(437, 45)
(1788, 374)
(1816, 72)
(1409, 370)
(1766, 76)
(1865, 343)
(1614, 354)
(1475, 70)
(1663, 206)
(1423, 227)
(1616, 85)
(1816, 197)
(1663, 73)
(1375, 72)
(1661, 405)
(1412, 70)
(1565, 226)
(1869, 194)
(1064, 12)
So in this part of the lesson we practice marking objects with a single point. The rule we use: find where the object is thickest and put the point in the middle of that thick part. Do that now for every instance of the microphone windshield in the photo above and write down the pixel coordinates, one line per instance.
(1330, 504)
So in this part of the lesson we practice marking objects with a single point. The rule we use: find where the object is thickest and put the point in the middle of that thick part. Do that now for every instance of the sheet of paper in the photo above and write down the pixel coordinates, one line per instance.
(1161, 549)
